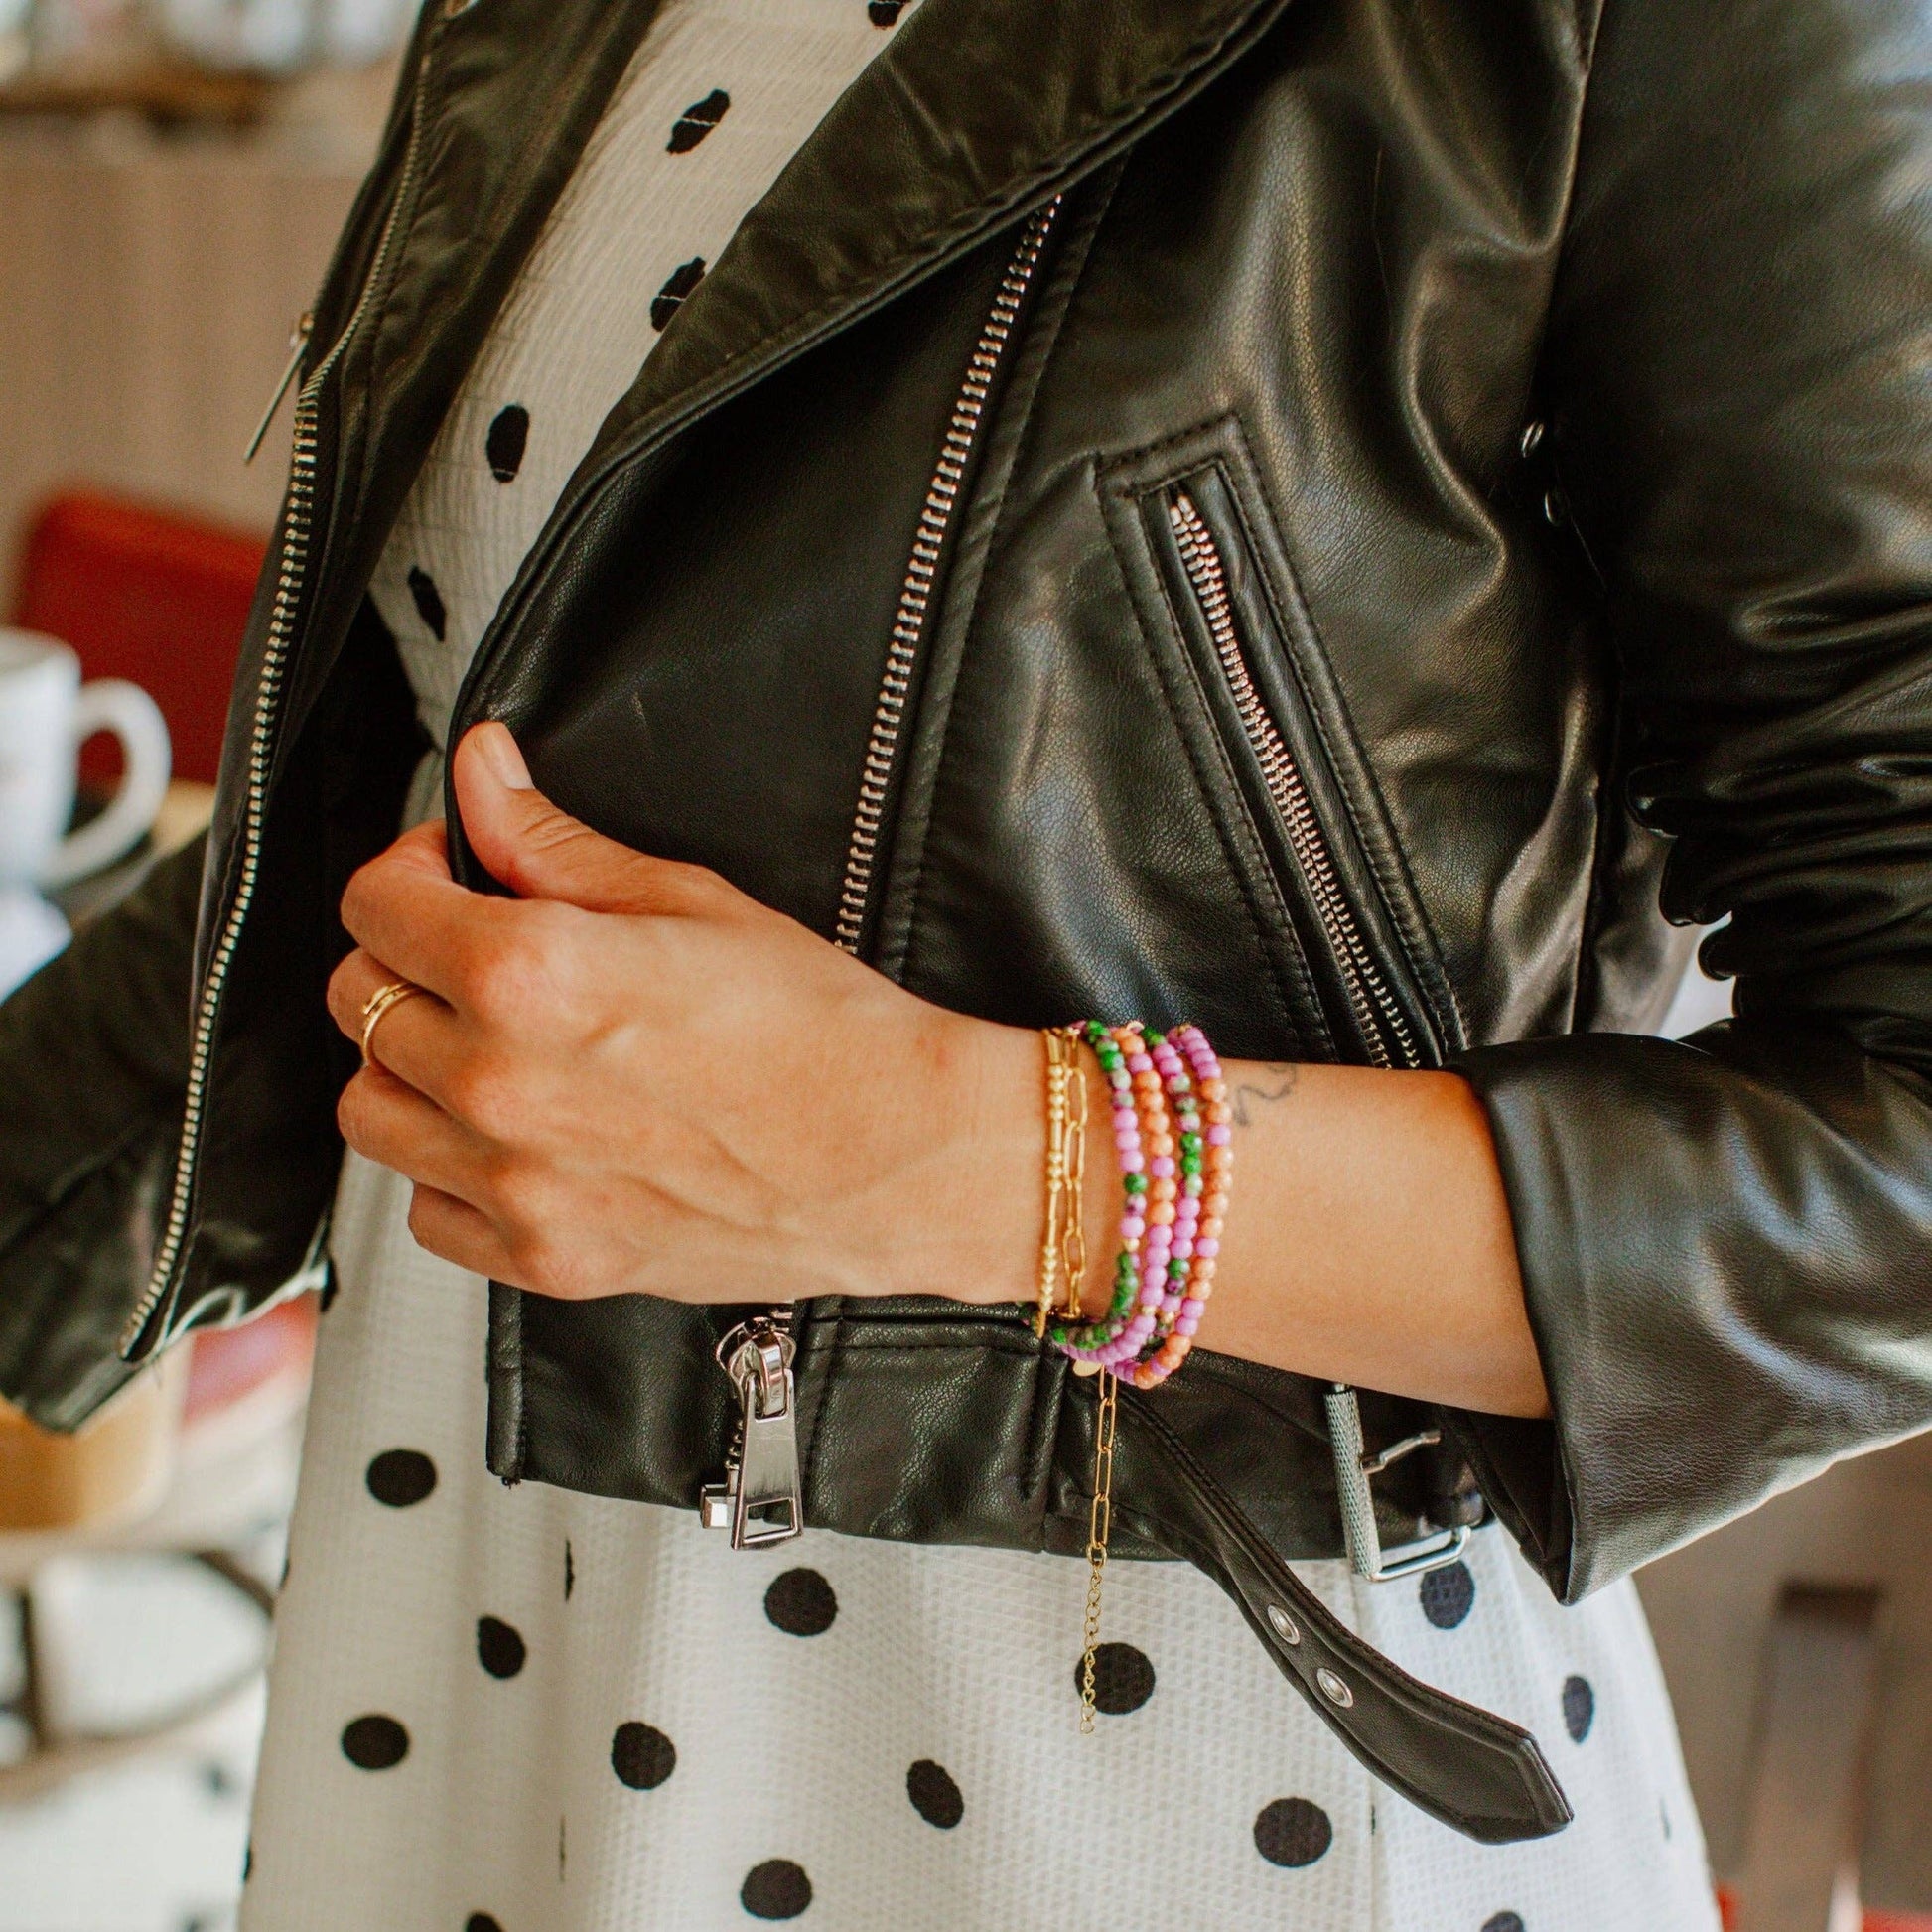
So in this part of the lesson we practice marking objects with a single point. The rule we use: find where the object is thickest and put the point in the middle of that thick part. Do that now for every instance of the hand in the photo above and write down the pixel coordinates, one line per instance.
(632, 1078)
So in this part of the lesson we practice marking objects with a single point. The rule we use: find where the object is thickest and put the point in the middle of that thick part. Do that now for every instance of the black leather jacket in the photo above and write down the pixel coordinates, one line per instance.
(1429, 479)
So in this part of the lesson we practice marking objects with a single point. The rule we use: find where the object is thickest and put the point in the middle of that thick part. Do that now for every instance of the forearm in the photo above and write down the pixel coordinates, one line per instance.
(1368, 1239)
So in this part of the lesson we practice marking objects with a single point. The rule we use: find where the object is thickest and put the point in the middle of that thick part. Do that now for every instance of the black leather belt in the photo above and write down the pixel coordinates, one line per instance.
(1475, 1771)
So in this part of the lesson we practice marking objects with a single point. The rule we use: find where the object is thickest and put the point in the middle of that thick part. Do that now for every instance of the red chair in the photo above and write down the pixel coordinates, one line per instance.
(149, 595)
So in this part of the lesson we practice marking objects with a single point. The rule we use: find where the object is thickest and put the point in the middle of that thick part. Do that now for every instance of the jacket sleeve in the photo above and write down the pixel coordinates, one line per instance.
(94, 1066)
(1727, 1244)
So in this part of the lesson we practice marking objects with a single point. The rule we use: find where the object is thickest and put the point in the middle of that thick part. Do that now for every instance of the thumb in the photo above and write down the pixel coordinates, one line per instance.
(539, 852)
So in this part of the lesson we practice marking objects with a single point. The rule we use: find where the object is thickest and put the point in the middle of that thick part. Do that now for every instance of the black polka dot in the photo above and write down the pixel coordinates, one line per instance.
(374, 1743)
(697, 121)
(1292, 1831)
(481, 1922)
(777, 1889)
(1122, 1678)
(883, 13)
(429, 600)
(569, 1570)
(1503, 1923)
(670, 298)
(500, 1647)
(641, 1756)
(801, 1603)
(400, 1477)
(503, 445)
(934, 1795)
(1448, 1594)
(1579, 1707)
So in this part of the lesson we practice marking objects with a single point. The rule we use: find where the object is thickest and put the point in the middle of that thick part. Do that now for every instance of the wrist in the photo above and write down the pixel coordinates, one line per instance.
(975, 1219)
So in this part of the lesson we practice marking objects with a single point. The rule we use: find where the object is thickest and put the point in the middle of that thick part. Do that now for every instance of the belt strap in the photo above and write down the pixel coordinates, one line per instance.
(1471, 1769)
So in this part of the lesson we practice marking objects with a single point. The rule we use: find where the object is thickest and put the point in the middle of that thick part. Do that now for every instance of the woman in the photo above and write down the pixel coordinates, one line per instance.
(1304, 519)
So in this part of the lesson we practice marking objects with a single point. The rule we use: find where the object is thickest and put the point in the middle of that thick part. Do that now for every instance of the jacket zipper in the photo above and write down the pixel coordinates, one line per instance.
(291, 569)
(299, 336)
(909, 626)
(759, 1499)
(1385, 1031)
(1379, 1018)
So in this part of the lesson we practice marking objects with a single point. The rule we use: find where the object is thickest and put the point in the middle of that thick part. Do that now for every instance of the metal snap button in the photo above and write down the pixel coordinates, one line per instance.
(1284, 1625)
(1533, 434)
(1556, 512)
(1333, 1688)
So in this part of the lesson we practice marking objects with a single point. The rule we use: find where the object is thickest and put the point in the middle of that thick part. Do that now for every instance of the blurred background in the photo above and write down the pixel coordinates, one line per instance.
(172, 176)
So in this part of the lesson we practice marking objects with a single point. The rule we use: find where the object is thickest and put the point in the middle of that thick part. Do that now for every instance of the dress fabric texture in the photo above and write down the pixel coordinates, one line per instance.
(526, 1710)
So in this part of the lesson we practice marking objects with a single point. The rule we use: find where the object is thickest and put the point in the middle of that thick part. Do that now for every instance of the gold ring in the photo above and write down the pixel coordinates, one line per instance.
(378, 1003)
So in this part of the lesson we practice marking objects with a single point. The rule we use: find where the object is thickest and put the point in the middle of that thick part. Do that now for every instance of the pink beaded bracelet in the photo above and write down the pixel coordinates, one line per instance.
(1198, 1095)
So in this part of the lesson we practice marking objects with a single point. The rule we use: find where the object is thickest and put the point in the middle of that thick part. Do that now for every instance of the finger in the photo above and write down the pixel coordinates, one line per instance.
(539, 852)
(455, 1230)
(420, 1039)
(388, 1122)
(424, 847)
(405, 908)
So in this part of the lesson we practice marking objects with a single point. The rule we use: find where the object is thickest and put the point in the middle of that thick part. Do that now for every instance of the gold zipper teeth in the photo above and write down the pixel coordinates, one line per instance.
(1368, 991)
(928, 544)
(281, 628)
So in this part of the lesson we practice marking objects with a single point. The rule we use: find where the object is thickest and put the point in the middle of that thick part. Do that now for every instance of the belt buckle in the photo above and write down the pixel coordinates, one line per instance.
(1353, 1468)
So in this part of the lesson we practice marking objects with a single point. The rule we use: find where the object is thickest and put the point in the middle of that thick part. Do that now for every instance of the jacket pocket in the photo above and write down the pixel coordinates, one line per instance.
(1245, 673)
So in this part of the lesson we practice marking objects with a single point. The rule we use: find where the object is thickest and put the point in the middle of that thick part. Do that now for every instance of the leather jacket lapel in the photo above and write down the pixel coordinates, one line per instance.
(978, 110)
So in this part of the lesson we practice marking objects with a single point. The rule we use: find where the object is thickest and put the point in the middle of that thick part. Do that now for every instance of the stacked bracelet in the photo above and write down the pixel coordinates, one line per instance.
(1172, 1136)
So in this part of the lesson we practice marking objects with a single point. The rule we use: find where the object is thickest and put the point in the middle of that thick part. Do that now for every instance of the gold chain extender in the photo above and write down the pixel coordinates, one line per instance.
(1098, 1525)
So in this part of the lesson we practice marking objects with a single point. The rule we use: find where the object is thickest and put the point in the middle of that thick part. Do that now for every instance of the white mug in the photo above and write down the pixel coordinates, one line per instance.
(46, 713)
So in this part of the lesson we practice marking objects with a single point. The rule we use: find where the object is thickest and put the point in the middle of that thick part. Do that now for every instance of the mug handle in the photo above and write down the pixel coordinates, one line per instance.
(115, 705)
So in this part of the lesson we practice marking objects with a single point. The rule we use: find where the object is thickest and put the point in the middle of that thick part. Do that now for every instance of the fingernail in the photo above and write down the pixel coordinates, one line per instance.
(499, 752)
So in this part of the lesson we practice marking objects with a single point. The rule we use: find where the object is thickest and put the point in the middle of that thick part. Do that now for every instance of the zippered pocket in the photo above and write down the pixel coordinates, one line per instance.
(1293, 781)
(1223, 609)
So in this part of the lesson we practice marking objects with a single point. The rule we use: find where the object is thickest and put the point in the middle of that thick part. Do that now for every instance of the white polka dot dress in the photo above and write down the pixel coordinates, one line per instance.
(529, 1711)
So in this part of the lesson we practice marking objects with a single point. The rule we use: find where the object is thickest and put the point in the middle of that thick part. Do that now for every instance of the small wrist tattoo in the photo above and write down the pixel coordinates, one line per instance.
(1278, 1079)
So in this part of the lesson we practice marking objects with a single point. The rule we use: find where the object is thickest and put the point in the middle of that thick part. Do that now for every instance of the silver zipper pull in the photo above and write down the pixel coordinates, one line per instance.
(757, 1501)
(298, 342)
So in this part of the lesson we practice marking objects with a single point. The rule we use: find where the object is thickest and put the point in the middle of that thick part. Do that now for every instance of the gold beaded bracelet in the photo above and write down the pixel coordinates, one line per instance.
(1063, 1245)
